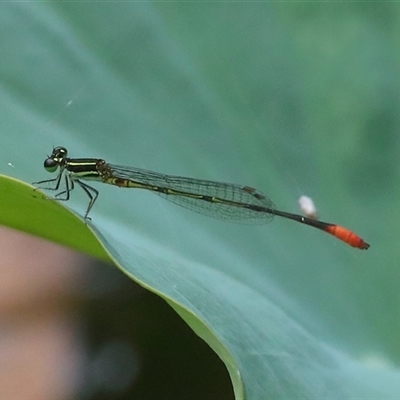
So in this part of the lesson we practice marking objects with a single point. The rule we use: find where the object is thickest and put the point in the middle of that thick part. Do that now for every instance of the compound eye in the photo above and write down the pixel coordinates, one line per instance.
(50, 165)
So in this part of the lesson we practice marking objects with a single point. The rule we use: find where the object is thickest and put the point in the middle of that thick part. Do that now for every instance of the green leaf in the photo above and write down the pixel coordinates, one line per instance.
(32, 211)
(293, 100)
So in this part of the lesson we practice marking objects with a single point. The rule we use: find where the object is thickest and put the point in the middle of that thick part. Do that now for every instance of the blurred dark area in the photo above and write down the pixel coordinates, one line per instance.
(168, 361)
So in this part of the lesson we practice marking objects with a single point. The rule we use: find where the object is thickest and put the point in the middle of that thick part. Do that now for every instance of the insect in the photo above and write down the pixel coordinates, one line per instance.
(216, 199)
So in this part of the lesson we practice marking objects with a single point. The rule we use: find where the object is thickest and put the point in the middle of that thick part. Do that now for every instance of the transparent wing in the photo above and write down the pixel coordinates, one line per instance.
(216, 199)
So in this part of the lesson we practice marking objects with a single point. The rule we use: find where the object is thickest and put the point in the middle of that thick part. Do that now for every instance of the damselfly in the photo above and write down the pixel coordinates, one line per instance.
(219, 200)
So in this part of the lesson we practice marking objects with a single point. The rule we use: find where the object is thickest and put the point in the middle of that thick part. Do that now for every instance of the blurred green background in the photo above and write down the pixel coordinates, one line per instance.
(291, 98)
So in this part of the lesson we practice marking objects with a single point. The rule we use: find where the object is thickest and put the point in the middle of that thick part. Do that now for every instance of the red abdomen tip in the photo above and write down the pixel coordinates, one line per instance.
(347, 236)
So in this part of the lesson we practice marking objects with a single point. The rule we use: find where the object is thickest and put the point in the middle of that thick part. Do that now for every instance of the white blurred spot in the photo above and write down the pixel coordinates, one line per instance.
(307, 206)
